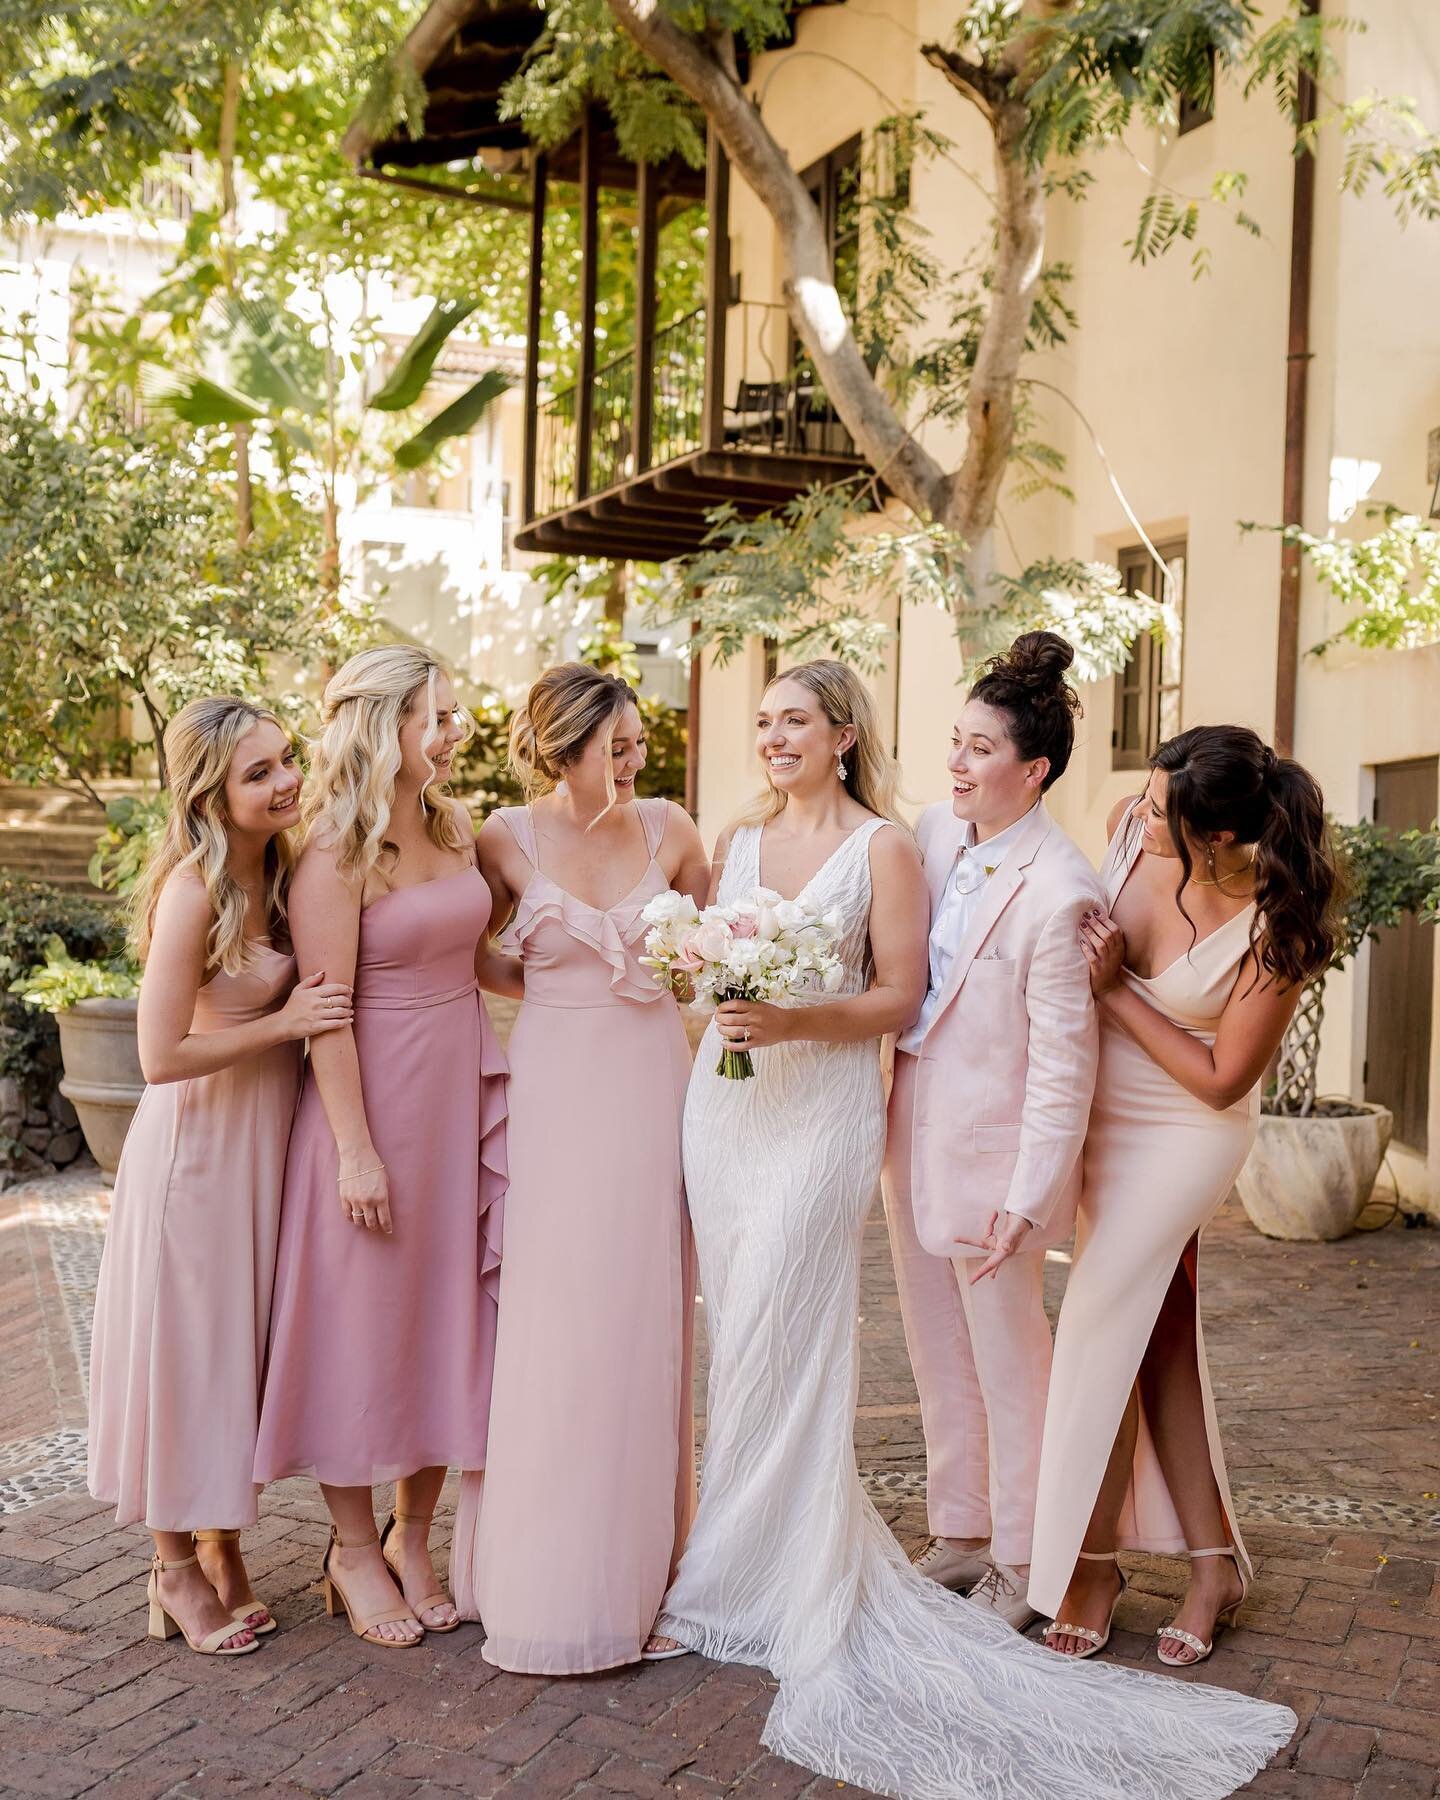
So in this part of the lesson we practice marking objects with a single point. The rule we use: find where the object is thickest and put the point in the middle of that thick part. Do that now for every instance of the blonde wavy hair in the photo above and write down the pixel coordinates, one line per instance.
(200, 745)
(562, 712)
(872, 774)
(356, 757)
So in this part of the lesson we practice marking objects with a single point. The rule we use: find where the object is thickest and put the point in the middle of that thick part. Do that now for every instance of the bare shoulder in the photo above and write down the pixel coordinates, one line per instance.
(464, 822)
(1117, 815)
(494, 838)
(183, 903)
(722, 844)
(893, 850)
(318, 871)
(678, 824)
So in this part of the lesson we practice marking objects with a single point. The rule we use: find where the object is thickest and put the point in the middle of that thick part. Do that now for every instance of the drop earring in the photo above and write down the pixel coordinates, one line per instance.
(840, 764)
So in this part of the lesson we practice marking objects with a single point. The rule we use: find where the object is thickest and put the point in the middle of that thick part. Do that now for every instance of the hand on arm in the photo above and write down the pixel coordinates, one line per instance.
(325, 924)
(496, 970)
(899, 937)
(1249, 1033)
(174, 972)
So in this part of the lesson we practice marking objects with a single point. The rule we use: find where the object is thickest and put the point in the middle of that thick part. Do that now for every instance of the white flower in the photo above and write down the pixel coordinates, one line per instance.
(670, 908)
(832, 978)
(745, 956)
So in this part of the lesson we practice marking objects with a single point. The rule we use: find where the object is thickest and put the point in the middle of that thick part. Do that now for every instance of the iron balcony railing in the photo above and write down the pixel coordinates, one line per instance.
(787, 414)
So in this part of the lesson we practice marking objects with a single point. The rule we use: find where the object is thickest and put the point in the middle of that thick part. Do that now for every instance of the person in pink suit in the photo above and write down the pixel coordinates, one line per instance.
(1219, 884)
(566, 1545)
(183, 1301)
(987, 1117)
(383, 1336)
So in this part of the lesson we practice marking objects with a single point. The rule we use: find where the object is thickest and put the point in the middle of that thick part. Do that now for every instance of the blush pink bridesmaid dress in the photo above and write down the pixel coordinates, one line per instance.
(183, 1302)
(381, 1348)
(1158, 1166)
(567, 1546)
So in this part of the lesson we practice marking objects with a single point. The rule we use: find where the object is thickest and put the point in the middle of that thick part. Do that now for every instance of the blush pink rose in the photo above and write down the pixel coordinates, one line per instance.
(745, 926)
(688, 961)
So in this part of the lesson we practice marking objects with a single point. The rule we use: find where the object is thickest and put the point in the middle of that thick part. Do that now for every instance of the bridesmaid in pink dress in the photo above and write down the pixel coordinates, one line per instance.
(1196, 975)
(184, 1293)
(567, 1548)
(383, 1334)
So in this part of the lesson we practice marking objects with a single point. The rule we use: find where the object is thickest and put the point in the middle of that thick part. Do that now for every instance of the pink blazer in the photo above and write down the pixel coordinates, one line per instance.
(1006, 1072)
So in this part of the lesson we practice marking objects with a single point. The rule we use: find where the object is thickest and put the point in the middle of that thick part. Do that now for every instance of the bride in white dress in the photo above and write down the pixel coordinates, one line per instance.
(886, 1679)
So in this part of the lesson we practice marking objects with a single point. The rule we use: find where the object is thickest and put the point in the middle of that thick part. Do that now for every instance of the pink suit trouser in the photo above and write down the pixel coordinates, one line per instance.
(981, 1357)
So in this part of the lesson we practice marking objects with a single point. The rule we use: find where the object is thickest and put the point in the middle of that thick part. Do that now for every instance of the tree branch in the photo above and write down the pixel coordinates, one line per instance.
(809, 282)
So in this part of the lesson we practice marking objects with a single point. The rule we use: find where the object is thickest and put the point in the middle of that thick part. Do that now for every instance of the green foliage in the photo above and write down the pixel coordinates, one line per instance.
(822, 576)
(61, 981)
(458, 419)
(31, 915)
(406, 381)
(133, 829)
(1391, 578)
(1385, 876)
(122, 585)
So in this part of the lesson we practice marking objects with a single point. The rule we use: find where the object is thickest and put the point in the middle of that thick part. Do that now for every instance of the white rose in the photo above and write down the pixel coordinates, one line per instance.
(743, 957)
(763, 896)
(670, 908)
(767, 922)
(833, 977)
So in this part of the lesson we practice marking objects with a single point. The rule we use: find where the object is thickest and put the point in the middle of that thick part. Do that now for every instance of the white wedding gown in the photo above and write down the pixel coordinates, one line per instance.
(886, 1680)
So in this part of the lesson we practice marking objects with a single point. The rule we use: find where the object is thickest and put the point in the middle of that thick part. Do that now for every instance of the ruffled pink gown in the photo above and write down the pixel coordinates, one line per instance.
(382, 1348)
(183, 1302)
(567, 1546)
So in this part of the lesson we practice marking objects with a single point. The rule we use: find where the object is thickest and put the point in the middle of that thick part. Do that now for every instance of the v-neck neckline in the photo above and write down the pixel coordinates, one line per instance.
(790, 899)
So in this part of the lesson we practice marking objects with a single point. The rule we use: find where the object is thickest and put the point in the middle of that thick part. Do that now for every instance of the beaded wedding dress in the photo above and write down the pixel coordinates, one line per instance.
(886, 1680)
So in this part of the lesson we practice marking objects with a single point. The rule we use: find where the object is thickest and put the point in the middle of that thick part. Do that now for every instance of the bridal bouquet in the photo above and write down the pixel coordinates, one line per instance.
(759, 948)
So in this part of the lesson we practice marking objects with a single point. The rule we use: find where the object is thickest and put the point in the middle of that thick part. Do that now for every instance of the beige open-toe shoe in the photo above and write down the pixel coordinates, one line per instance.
(1226, 1616)
(246, 1610)
(164, 1625)
(364, 1628)
(1095, 1640)
(430, 1601)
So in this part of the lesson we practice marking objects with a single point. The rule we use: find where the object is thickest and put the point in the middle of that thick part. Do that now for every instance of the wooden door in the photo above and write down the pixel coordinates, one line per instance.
(1402, 971)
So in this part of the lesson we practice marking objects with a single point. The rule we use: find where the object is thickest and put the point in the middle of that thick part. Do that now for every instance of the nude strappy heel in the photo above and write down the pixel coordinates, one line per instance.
(1226, 1616)
(364, 1628)
(163, 1624)
(246, 1607)
(1096, 1640)
(431, 1601)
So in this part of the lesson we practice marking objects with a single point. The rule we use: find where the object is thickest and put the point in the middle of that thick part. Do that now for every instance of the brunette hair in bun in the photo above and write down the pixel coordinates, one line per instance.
(1027, 683)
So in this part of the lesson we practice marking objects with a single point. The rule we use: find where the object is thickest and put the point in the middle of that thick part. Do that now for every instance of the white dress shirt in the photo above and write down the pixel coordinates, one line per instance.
(974, 865)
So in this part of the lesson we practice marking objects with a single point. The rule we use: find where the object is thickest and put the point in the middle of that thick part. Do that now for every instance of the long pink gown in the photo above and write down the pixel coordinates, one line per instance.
(382, 1348)
(567, 1546)
(183, 1302)
(1159, 1164)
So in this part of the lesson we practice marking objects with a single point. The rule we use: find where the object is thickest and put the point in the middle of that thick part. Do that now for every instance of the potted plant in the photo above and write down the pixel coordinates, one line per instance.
(94, 1005)
(1313, 1167)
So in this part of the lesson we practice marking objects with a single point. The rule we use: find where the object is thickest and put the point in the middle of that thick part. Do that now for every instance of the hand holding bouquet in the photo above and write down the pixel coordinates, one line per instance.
(759, 948)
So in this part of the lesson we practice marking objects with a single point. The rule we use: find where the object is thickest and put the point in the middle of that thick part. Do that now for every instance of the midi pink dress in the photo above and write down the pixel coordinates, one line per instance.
(382, 1348)
(567, 1546)
(183, 1302)
(1159, 1164)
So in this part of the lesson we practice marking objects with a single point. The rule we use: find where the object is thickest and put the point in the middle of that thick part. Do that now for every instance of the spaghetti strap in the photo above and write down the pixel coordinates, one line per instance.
(654, 816)
(522, 828)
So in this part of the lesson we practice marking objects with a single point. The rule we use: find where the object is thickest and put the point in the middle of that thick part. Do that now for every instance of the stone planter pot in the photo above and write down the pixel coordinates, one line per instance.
(1309, 1180)
(102, 1074)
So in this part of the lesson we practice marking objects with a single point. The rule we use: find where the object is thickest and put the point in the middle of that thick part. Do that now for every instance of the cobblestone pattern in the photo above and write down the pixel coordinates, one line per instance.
(1326, 1373)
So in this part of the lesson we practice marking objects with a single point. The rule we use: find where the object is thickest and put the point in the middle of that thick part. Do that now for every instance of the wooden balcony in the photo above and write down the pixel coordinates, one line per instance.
(625, 453)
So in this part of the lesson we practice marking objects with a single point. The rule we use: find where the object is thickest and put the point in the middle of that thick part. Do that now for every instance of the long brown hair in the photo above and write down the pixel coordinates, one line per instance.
(1226, 778)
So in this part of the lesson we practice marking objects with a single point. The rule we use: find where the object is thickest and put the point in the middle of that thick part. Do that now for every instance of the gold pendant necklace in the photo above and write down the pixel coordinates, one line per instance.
(1218, 881)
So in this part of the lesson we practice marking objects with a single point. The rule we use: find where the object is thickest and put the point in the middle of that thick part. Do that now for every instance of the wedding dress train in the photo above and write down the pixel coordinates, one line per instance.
(886, 1679)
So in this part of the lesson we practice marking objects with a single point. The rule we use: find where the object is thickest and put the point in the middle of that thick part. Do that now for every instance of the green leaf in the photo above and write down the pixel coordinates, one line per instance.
(460, 417)
(407, 379)
(199, 401)
(266, 354)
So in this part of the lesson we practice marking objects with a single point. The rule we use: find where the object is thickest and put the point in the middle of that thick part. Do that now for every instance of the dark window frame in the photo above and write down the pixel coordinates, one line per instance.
(1141, 688)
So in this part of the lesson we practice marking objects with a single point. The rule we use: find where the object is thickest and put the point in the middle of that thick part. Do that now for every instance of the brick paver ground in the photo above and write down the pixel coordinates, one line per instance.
(1328, 1382)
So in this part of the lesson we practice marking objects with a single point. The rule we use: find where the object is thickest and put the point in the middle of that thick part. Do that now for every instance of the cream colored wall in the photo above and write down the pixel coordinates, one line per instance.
(1183, 382)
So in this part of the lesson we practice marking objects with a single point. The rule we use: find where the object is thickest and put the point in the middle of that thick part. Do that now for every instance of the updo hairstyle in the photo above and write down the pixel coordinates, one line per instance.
(562, 712)
(1027, 683)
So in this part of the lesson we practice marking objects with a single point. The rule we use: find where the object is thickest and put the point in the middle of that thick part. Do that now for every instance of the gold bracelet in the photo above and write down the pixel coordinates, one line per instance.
(379, 1167)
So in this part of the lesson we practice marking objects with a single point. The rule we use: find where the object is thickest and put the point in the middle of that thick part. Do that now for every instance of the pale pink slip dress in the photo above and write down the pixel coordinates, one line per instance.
(567, 1546)
(382, 1348)
(185, 1280)
(1159, 1164)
